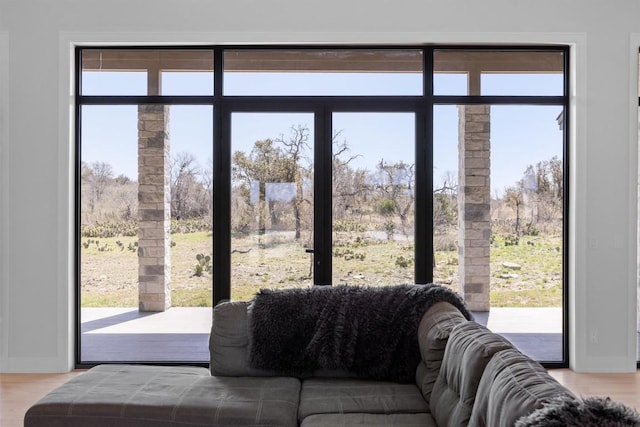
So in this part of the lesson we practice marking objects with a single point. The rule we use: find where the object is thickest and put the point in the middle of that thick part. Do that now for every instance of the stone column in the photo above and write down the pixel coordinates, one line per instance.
(474, 205)
(154, 209)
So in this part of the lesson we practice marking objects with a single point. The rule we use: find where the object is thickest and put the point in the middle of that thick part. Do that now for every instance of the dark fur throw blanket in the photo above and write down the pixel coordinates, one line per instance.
(592, 411)
(367, 331)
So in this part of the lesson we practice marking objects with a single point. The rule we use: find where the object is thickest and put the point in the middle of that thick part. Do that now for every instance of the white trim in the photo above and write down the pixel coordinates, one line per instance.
(66, 197)
(577, 205)
(5, 276)
(262, 38)
(577, 158)
(634, 129)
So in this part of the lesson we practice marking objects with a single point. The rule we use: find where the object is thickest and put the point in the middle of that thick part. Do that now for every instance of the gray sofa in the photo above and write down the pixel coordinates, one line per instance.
(465, 375)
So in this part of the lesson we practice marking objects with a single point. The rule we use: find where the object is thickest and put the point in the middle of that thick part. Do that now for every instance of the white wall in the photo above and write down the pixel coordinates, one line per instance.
(4, 187)
(36, 38)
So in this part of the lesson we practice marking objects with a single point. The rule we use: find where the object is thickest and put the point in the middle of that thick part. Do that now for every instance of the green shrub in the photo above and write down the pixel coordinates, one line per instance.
(203, 265)
(191, 225)
(130, 228)
(511, 240)
(348, 226)
(389, 227)
(385, 207)
(110, 229)
(403, 262)
(531, 230)
(348, 254)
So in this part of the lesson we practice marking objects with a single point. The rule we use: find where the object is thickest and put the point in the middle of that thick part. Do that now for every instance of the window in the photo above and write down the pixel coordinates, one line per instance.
(145, 204)
(355, 165)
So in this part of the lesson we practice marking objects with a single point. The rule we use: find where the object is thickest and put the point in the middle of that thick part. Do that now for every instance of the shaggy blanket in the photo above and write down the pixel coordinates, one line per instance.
(589, 412)
(367, 331)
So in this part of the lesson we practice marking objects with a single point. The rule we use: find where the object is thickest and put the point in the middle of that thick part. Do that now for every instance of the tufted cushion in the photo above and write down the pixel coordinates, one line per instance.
(369, 420)
(343, 396)
(157, 396)
(433, 333)
(468, 351)
(512, 385)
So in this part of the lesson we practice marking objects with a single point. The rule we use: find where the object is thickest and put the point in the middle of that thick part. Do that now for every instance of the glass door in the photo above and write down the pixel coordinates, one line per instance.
(373, 196)
(271, 201)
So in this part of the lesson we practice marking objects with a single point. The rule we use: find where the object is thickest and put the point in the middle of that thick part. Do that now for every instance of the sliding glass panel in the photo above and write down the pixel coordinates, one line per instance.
(486, 72)
(271, 201)
(308, 72)
(146, 233)
(373, 198)
(498, 215)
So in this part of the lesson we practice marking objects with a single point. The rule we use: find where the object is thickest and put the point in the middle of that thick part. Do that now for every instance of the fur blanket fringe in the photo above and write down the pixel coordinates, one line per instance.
(367, 331)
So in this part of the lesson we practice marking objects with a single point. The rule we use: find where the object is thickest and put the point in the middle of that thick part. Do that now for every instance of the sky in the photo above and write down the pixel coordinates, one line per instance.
(520, 135)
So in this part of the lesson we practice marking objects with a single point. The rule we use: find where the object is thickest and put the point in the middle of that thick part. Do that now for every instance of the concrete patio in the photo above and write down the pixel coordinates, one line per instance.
(181, 334)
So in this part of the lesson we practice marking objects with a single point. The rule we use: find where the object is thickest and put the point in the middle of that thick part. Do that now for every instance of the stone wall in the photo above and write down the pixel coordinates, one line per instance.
(154, 209)
(474, 205)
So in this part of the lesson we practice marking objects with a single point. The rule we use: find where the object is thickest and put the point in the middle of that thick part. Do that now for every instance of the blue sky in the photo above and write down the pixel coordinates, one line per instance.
(520, 135)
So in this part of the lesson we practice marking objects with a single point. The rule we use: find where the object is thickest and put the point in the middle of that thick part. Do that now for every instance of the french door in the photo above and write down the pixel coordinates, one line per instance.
(321, 197)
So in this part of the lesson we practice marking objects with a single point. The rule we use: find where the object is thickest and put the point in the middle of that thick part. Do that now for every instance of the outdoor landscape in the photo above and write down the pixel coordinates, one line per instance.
(271, 227)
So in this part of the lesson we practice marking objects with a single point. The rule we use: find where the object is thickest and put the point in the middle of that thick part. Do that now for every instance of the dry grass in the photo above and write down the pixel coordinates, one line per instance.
(109, 278)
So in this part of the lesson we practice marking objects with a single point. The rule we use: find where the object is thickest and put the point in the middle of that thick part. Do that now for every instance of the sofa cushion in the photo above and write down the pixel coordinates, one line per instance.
(469, 349)
(433, 333)
(343, 396)
(513, 385)
(229, 341)
(146, 396)
(370, 420)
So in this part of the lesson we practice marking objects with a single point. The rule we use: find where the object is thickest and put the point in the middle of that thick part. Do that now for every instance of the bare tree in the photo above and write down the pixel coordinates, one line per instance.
(396, 186)
(514, 198)
(296, 147)
(96, 176)
(445, 201)
(128, 198)
(280, 160)
(350, 190)
(183, 176)
(207, 186)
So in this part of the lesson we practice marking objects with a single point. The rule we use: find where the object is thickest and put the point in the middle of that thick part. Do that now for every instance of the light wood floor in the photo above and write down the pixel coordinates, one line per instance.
(19, 391)
(623, 388)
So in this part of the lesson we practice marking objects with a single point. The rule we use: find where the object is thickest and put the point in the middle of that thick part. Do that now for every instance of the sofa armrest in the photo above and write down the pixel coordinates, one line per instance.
(511, 386)
(469, 349)
(433, 333)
